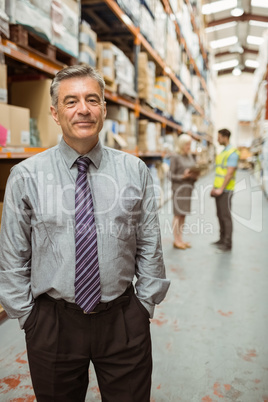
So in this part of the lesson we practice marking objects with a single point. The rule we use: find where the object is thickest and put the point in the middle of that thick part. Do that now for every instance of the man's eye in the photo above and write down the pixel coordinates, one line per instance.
(93, 101)
(70, 103)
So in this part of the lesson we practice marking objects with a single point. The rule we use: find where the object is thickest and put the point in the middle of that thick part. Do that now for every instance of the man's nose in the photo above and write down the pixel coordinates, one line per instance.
(83, 107)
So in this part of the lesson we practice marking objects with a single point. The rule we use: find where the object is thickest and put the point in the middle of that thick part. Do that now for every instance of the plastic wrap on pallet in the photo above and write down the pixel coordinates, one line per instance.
(147, 25)
(42, 5)
(124, 74)
(192, 40)
(150, 4)
(4, 24)
(162, 91)
(106, 61)
(33, 18)
(87, 55)
(179, 109)
(10, 9)
(65, 18)
(109, 130)
(71, 16)
(87, 45)
(2, 6)
(87, 35)
(174, 5)
(149, 135)
(132, 9)
(160, 29)
(173, 50)
(146, 78)
(4, 20)
(185, 76)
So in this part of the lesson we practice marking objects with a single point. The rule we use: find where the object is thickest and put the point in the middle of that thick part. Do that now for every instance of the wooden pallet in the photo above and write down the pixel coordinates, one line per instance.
(32, 42)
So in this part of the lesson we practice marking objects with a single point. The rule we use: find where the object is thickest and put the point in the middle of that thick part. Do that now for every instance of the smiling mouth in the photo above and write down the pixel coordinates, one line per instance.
(84, 123)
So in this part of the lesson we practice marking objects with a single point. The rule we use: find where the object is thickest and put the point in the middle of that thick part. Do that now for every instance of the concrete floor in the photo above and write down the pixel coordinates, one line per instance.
(210, 334)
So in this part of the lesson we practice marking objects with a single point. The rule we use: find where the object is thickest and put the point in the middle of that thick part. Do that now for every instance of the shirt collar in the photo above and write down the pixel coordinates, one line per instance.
(227, 147)
(70, 155)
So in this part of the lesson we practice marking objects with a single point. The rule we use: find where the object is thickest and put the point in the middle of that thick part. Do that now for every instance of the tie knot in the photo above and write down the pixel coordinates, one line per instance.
(82, 164)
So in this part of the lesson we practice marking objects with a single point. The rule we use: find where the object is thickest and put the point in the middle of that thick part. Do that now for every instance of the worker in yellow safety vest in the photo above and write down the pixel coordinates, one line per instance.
(224, 184)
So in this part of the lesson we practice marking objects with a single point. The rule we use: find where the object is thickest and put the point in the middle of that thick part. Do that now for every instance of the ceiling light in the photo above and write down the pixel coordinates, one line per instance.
(221, 26)
(224, 65)
(252, 63)
(218, 6)
(254, 40)
(259, 3)
(215, 44)
(237, 71)
(258, 23)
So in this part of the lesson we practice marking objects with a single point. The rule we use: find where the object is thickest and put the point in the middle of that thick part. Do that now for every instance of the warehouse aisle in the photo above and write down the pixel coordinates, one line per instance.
(210, 334)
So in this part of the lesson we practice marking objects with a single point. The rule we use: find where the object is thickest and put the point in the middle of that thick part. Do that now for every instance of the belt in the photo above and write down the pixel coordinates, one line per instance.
(124, 298)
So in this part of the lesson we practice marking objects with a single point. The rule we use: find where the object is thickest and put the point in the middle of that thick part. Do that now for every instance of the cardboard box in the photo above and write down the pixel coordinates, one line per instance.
(16, 120)
(4, 124)
(87, 36)
(146, 78)
(162, 93)
(65, 26)
(19, 127)
(35, 96)
(3, 83)
(106, 60)
(109, 130)
(119, 113)
(87, 55)
(124, 74)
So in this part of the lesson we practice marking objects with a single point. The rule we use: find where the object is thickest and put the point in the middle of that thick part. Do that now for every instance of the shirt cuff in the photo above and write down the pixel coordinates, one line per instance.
(148, 307)
(23, 319)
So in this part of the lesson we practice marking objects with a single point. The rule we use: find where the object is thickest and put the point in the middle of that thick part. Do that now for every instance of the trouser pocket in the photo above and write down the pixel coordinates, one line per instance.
(30, 323)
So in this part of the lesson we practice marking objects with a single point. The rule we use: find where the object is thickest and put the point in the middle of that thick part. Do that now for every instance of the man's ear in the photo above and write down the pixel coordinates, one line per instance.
(54, 114)
(104, 109)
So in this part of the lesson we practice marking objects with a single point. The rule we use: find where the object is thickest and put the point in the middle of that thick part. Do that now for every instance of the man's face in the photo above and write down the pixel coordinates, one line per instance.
(222, 139)
(81, 111)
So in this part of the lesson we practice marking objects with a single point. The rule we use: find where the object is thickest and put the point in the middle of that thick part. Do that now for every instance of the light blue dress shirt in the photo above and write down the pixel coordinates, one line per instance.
(37, 242)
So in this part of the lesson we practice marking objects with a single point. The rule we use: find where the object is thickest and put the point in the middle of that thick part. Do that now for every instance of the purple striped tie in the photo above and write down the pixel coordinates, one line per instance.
(87, 278)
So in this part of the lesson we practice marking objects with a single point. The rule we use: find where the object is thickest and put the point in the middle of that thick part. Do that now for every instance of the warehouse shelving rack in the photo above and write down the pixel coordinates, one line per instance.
(43, 64)
(260, 127)
(140, 40)
(50, 67)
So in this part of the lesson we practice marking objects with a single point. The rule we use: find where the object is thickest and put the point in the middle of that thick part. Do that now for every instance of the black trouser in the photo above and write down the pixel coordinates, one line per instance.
(61, 342)
(223, 204)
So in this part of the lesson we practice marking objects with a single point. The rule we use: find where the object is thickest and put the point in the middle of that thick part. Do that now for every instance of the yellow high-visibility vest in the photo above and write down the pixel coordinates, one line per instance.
(221, 169)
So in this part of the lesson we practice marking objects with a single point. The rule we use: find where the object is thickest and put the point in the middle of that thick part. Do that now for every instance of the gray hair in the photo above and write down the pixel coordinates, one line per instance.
(182, 140)
(74, 72)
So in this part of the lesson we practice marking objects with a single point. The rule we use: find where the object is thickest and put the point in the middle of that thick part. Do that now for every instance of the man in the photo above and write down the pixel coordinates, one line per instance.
(79, 223)
(224, 184)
